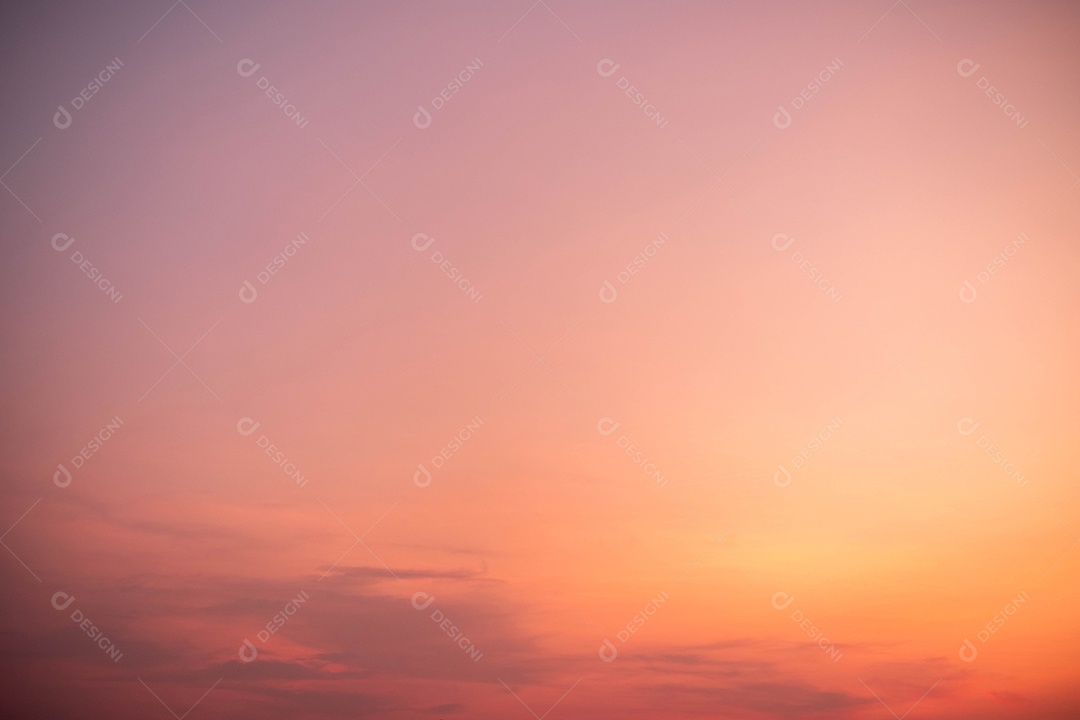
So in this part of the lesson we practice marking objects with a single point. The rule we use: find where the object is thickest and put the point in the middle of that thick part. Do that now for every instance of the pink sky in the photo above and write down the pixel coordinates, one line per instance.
(595, 360)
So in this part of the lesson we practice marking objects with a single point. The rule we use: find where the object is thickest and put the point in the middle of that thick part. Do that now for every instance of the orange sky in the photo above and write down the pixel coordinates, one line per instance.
(596, 360)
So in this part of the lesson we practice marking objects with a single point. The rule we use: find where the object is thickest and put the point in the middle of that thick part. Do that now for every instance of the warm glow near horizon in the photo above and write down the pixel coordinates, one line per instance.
(542, 359)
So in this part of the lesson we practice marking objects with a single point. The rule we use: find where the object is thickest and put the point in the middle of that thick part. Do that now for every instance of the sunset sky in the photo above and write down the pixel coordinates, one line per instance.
(498, 360)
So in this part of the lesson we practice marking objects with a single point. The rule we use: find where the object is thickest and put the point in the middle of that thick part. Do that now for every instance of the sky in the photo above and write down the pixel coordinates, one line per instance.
(559, 360)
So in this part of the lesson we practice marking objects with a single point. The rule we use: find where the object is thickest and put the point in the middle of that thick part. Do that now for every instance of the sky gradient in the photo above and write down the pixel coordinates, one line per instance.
(559, 360)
